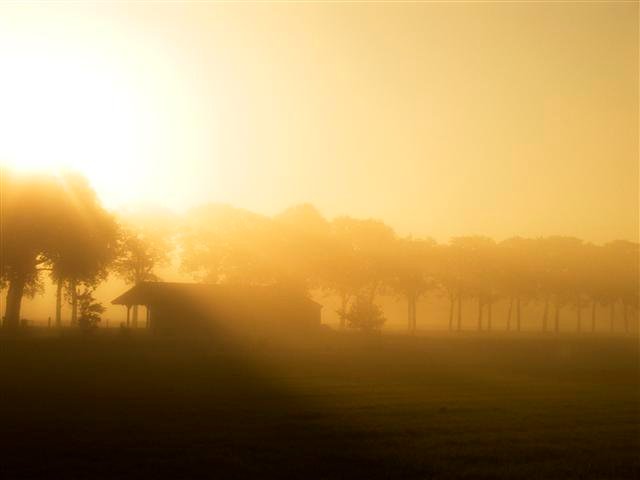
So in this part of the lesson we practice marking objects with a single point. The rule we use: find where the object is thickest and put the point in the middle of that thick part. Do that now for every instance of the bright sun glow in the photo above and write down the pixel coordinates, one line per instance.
(71, 113)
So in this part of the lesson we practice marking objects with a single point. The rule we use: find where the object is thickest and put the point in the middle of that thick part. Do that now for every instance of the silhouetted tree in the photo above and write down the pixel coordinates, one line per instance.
(363, 261)
(562, 256)
(27, 215)
(222, 244)
(304, 249)
(595, 280)
(365, 315)
(520, 276)
(413, 273)
(354, 258)
(138, 257)
(85, 244)
(139, 254)
(46, 219)
(477, 256)
(451, 277)
(623, 282)
(343, 275)
(90, 310)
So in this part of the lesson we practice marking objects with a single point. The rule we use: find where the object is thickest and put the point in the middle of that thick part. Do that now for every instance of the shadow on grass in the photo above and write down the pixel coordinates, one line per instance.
(139, 407)
(340, 406)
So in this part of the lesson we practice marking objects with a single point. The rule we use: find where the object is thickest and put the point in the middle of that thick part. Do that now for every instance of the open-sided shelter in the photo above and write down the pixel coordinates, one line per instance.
(191, 307)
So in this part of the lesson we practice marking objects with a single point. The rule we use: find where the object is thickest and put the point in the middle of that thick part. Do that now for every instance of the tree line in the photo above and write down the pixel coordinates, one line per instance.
(56, 226)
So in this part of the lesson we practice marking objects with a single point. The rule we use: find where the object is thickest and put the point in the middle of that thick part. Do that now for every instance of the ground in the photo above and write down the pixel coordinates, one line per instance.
(345, 406)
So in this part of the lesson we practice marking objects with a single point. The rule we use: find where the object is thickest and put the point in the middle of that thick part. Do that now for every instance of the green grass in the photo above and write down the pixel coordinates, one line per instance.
(346, 406)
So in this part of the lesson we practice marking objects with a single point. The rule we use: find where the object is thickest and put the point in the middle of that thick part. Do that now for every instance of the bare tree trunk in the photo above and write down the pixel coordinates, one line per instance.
(489, 319)
(518, 318)
(509, 313)
(415, 314)
(410, 313)
(459, 312)
(74, 301)
(545, 316)
(14, 303)
(626, 317)
(343, 310)
(480, 308)
(612, 315)
(593, 316)
(579, 316)
(557, 318)
(452, 300)
(59, 285)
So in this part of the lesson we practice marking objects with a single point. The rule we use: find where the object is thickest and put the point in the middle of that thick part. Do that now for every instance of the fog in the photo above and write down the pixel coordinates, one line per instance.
(319, 240)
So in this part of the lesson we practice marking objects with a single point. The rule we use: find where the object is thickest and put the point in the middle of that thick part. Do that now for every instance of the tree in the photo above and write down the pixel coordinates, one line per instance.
(138, 257)
(26, 213)
(361, 260)
(90, 310)
(223, 244)
(595, 273)
(622, 284)
(413, 273)
(48, 223)
(450, 275)
(343, 274)
(365, 315)
(85, 244)
(478, 255)
(304, 247)
(560, 261)
(139, 254)
(519, 275)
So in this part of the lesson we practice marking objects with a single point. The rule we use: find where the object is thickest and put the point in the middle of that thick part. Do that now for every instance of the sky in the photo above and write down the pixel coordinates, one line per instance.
(443, 119)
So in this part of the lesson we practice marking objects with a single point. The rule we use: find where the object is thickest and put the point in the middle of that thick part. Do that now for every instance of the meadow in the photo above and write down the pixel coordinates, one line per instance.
(343, 405)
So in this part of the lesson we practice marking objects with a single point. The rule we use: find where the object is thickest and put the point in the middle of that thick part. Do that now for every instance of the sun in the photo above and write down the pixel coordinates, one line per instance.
(71, 113)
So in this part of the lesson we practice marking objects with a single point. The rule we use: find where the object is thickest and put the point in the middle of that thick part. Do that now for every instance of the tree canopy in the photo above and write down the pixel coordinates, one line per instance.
(57, 224)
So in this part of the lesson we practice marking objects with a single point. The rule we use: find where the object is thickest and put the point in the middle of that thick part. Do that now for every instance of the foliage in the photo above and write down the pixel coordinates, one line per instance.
(85, 242)
(365, 315)
(139, 253)
(57, 224)
(50, 223)
(90, 310)
(222, 244)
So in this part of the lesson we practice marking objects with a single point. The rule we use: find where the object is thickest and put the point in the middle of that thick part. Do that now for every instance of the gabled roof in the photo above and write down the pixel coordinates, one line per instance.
(148, 293)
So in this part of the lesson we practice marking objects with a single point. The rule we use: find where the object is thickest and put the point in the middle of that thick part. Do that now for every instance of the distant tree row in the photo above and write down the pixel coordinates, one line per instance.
(357, 260)
(56, 226)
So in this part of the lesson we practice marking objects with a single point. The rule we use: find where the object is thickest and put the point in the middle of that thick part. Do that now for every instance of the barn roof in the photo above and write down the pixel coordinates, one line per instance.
(148, 293)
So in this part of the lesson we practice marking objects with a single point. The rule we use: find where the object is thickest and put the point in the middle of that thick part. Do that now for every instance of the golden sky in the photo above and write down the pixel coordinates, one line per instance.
(442, 119)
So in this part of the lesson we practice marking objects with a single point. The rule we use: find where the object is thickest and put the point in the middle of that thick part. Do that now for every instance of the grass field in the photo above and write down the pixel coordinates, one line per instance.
(346, 406)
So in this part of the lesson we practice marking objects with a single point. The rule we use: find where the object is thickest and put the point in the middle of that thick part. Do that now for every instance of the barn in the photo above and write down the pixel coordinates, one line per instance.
(175, 308)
